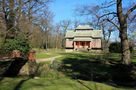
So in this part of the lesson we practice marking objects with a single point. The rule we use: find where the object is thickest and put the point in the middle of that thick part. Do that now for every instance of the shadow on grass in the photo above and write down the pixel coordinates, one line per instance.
(19, 85)
(1, 78)
(97, 68)
(86, 69)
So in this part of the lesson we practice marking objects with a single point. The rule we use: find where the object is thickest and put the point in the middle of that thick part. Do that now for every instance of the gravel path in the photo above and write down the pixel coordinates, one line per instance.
(47, 59)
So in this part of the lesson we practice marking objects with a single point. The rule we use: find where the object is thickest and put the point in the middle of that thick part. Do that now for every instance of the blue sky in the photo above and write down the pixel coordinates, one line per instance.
(64, 9)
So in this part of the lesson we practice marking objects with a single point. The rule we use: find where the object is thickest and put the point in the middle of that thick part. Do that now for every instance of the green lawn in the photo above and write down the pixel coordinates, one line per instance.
(76, 63)
(46, 54)
(52, 84)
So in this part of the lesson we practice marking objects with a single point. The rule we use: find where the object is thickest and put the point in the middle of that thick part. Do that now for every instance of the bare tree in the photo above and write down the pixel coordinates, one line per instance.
(76, 23)
(122, 25)
(64, 26)
(114, 12)
(22, 16)
(13, 10)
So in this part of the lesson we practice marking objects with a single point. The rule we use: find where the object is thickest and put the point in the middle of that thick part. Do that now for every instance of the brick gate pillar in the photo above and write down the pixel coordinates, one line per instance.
(32, 55)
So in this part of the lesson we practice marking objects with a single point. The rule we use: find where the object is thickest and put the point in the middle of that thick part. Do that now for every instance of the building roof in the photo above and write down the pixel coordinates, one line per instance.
(83, 27)
(82, 33)
(82, 39)
(93, 33)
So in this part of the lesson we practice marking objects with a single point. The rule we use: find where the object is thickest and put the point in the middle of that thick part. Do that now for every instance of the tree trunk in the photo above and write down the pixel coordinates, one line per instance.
(125, 47)
(123, 34)
(124, 41)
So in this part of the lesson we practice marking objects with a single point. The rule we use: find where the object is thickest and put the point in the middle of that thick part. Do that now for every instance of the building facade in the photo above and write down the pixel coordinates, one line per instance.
(83, 37)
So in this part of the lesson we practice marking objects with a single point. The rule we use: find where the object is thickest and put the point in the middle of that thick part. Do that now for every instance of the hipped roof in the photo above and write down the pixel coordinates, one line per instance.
(82, 39)
(91, 33)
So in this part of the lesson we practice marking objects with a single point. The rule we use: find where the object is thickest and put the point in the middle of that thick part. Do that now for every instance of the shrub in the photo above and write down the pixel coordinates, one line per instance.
(20, 42)
(115, 47)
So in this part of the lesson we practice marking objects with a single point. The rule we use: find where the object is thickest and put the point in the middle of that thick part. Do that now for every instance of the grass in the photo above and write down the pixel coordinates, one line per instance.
(76, 63)
(63, 83)
(46, 54)
(134, 57)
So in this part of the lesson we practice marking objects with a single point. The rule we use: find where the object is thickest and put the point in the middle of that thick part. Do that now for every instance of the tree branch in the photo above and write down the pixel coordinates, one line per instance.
(107, 15)
(130, 10)
(109, 5)
(113, 13)
(131, 19)
(113, 23)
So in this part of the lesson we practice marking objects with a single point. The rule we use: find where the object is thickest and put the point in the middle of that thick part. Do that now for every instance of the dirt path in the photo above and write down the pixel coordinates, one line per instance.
(47, 59)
